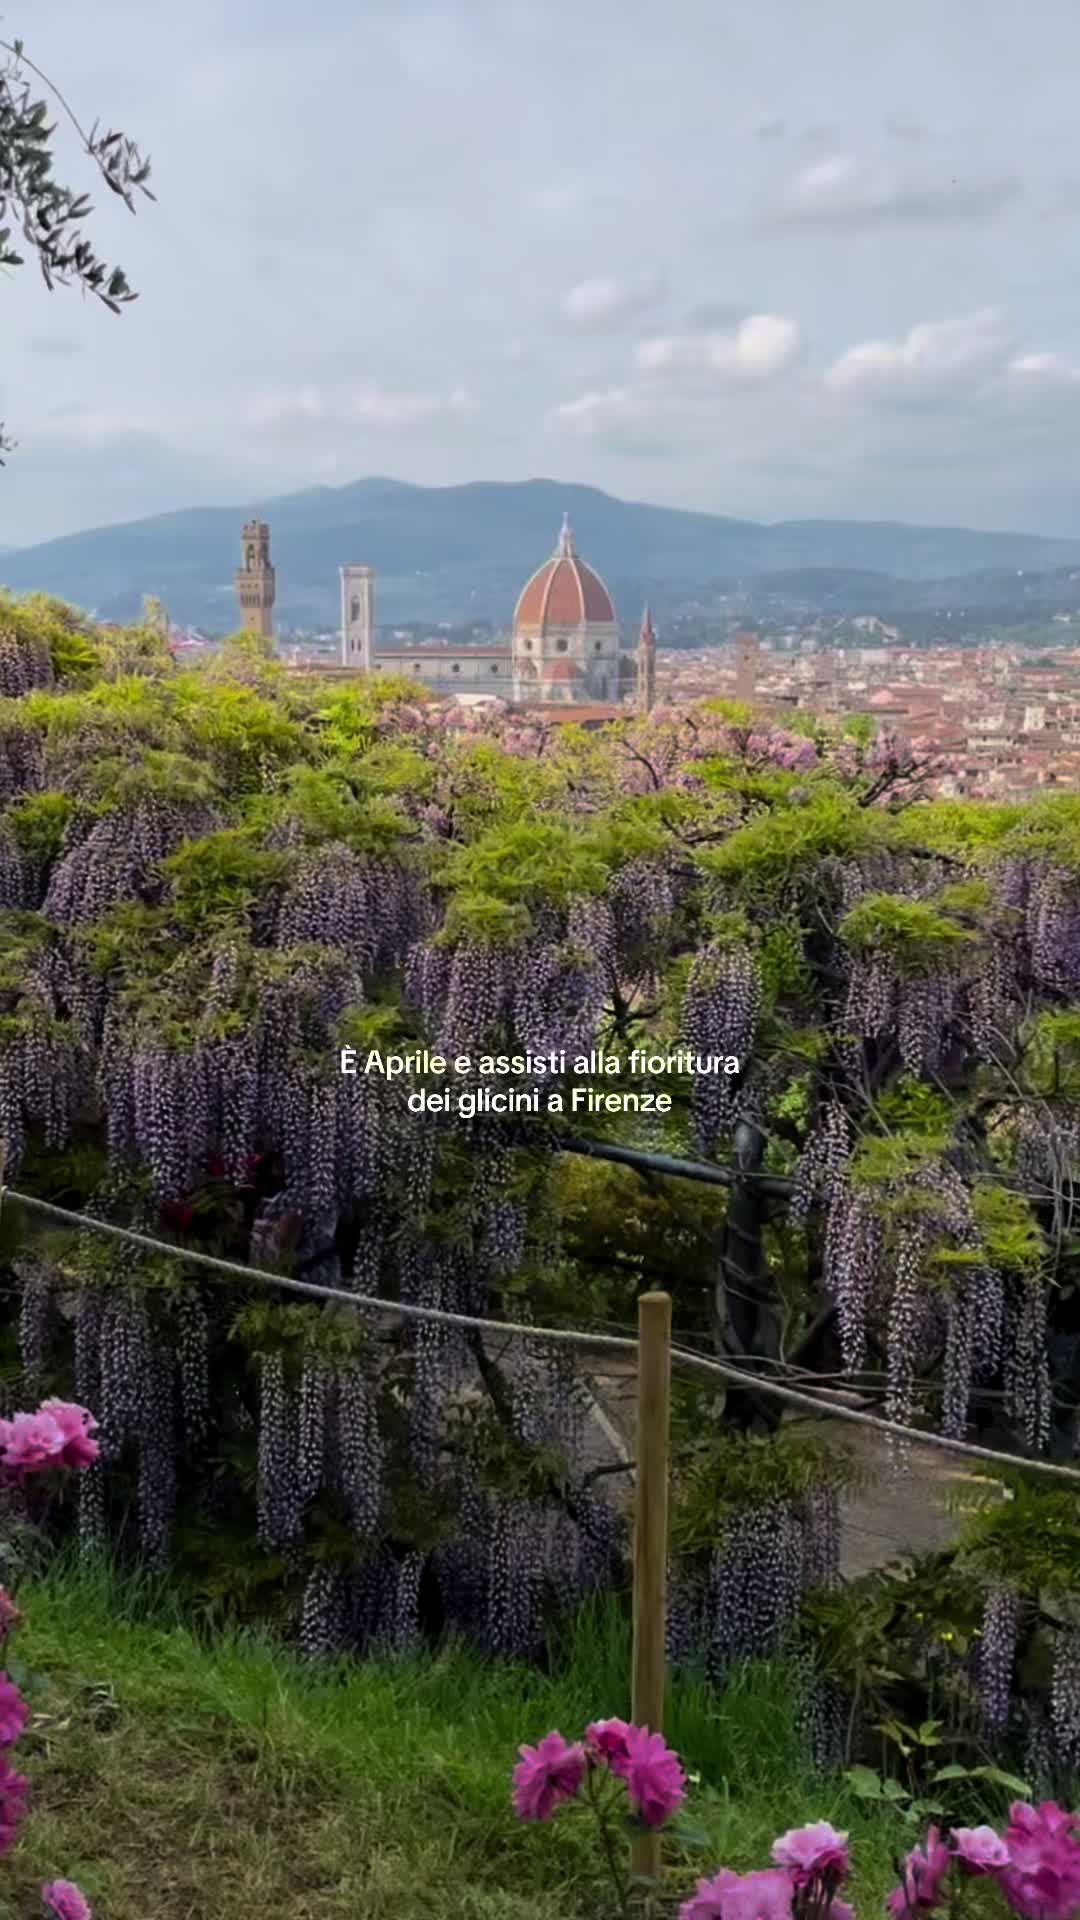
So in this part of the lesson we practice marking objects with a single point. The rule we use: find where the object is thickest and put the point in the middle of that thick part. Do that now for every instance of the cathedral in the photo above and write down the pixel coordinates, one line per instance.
(564, 649)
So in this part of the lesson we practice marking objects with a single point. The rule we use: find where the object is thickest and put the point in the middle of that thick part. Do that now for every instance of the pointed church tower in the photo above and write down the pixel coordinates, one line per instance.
(646, 665)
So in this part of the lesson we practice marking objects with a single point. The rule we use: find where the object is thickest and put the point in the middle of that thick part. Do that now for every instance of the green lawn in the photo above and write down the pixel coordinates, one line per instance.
(179, 1777)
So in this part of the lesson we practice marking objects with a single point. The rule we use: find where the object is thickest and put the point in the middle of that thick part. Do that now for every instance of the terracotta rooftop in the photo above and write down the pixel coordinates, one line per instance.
(564, 592)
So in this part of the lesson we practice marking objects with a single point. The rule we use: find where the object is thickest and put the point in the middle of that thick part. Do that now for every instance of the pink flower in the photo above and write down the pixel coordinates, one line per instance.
(924, 1875)
(606, 1741)
(14, 1712)
(812, 1853)
(708, 1900)
(980, 1849)
(13, 1791)
(545, 1775)
(765, 1895)
(10, 1617)
(654, 1779)
(64, 1899)
(76, 1425)
(1042, 1879)
(30, 1441)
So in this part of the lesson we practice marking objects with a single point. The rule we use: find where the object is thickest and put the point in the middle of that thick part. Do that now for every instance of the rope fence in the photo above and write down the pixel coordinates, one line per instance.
(681, 1357)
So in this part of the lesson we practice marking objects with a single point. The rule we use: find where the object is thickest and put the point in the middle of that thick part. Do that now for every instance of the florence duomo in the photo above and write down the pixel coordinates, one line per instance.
(565, 646)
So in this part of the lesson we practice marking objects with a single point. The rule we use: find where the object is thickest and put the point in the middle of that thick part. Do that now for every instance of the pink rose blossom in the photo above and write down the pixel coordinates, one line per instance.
(14, 1712)
(13, 1793)
(812, 1853)
(65, 1900)
(546, 1775)
(606, 1741)
(29, 1442)
(1042, 1879)
(765, 1895)
(76, 1425)
(654, 1779)
(924, 1876)
(708, 1900)
(10, 1617)
(980, 1849)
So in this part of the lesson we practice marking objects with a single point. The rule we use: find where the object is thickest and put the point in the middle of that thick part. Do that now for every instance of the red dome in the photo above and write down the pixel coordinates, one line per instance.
(564, 592)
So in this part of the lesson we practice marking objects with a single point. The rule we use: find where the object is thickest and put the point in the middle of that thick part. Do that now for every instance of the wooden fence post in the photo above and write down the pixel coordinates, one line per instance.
(651, 1539)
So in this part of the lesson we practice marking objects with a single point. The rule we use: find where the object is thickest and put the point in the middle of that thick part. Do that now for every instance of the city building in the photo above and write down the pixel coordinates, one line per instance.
(563, 651)
(255, 585)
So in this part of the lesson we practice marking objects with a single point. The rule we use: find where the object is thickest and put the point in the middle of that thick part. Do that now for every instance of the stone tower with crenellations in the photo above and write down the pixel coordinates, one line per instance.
(255, 586)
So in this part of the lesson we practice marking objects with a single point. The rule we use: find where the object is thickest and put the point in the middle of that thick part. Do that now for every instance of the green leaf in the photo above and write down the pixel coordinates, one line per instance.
(1012, 1784)
(864, 1782)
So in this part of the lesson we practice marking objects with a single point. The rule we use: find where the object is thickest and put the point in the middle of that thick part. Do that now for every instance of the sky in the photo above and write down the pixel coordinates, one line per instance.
(775, 260)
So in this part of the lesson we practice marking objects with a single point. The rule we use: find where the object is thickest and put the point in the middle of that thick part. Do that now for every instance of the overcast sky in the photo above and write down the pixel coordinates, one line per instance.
(787, 258)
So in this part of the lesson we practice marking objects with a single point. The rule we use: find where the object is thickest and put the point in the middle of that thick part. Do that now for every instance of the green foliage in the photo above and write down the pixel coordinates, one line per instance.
(1008, 1229)
(220, 879)
(786, 846)
(915, 937)
(328, 808)
(527, 862)
(38, 822)
(721, 1473)
(1024, 1531)
(1052, 1055)
(913, 1106)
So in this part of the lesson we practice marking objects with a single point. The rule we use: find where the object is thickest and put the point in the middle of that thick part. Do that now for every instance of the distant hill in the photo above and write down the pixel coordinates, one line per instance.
(448, 553)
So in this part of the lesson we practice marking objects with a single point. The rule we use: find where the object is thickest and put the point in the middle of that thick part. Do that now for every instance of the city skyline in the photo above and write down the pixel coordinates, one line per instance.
(764, 264)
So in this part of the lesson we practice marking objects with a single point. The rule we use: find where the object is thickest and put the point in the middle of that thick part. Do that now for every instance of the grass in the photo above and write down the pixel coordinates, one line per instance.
(184, 1777)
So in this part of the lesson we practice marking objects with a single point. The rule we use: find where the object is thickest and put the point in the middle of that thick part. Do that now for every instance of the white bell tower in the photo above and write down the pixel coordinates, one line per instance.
(357, 617)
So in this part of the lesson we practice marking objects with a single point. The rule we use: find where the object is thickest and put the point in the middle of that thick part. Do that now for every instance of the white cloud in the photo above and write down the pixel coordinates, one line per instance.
(383, 408)
(839, 193)
(274, 409)
(596, 406)
(760, 347)
(1047, 367)
(931, 353)
(94, 427)
(602, 303)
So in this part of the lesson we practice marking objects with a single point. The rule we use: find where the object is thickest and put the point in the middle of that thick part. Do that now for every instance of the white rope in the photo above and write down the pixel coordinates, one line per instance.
(564, 1336)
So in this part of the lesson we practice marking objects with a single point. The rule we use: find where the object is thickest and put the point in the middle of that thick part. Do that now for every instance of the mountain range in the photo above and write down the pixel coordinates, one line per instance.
(455, 553)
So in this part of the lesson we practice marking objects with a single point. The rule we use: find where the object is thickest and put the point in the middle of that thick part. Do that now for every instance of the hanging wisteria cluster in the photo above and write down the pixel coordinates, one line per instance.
(747, 1600)
(204, 897)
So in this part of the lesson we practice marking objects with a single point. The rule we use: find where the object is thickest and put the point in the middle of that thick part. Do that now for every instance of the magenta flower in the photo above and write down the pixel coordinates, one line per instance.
(980, 1849)
(10, 1617)
(812, 1853)
(924, 1875)
(546, 1775)
(29, 1442)
(708, 1900)
(605, 1741)
(65, 1900)
(14, 1712)
(76, 1425)
(766, 1895)
(1042, 1879)
(654, 1779)
(13, 1794)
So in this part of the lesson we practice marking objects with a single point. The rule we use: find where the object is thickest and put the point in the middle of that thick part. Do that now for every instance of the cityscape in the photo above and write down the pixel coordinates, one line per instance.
(539, 961)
